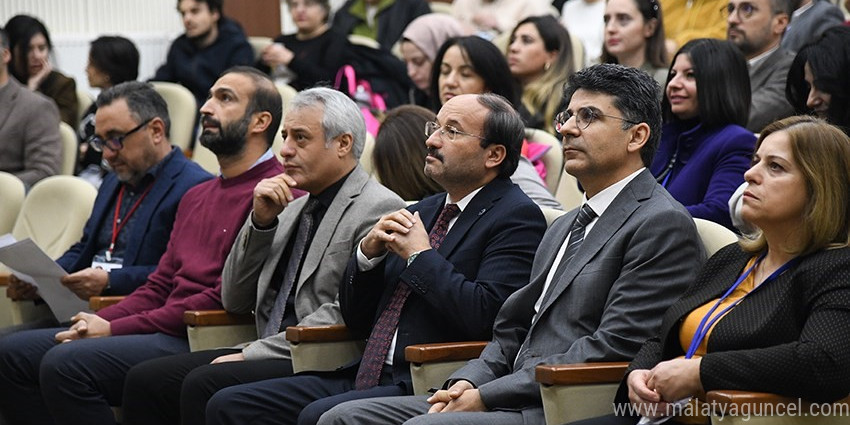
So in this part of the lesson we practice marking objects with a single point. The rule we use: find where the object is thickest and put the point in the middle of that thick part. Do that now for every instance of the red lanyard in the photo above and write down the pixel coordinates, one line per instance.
(117, 222)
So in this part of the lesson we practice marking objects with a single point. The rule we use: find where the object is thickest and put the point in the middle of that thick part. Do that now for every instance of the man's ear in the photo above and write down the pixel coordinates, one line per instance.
(261, 122)
(345, 143)
(495, 155)
(157, 127)
(640, 136)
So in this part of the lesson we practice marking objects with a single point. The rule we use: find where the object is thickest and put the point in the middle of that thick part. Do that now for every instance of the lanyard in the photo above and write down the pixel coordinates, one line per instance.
(707, 321)
(117, 222)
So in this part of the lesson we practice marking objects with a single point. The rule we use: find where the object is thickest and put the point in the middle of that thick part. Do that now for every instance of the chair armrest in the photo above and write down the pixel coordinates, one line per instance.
(581, 373)
(330, 333)
(4, 279)
(215, 318)
(98, 303)
(443, 352)
(726, 401)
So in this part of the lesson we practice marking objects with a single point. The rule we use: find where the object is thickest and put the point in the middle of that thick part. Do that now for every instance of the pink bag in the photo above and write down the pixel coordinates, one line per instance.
(371, 104)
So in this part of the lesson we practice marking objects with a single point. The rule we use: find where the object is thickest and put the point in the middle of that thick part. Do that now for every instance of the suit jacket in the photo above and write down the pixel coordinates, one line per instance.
(767, 83)
(636, 260)
(789, 337)
(247, 274)
(809, 26)
(30, 145)
(151, 227)
(457, 289)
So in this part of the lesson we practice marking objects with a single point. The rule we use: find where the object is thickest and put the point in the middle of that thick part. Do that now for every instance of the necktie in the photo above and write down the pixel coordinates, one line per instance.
(583, 218)
(299, 248)
(369, 373)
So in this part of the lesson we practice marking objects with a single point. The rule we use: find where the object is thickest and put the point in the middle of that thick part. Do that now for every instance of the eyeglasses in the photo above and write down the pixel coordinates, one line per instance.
(446, 131)
(114, 143)
(584, 117)
(745, 10)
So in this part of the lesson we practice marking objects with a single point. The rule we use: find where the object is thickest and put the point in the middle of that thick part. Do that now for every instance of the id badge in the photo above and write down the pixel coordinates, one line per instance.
(100, 262)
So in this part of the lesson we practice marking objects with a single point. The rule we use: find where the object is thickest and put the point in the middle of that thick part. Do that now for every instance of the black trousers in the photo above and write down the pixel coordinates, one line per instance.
(175, 389)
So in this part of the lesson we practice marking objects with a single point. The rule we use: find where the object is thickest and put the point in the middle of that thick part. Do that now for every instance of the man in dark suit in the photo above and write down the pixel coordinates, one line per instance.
(602, 278)
(134, 211)
(405, 286)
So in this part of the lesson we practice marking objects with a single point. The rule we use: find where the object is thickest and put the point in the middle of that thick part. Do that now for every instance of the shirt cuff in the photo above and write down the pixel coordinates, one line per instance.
(364, 264)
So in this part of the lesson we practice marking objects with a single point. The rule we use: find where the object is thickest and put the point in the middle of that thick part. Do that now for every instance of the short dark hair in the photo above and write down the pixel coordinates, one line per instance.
(20, 30)
(4, 39)
(115, 56)
(723, 82)
(265, 97)
(213, 5)
(142, 100)
(656, 51)
(487, 61)
(636, 95)
(503, 126)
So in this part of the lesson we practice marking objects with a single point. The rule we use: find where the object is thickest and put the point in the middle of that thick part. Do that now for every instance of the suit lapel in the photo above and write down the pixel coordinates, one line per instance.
(477, 207)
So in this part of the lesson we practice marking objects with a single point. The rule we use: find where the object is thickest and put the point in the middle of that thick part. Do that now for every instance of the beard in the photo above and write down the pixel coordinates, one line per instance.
(230, 139)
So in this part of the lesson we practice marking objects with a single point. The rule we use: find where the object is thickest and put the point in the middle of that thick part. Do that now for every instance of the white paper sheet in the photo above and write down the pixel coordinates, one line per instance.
(29, 263)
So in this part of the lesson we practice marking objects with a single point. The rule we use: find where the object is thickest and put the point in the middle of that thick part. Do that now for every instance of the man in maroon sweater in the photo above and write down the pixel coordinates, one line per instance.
(73, 375)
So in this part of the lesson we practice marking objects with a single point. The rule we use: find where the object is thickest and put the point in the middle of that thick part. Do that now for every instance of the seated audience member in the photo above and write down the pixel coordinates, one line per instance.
(704, 149)
(112, 61)
(211, 44)
(756, 27)
(540, 57)
(583, 18)
(310, 56)
(285, 264)
(692, 19)
(381, 20)
(770, 305)
(493, 17)
(400, 152)
(634, 36)
(31, 47)
(72, 376)
(405, 286)
(809, 21)
(419, 44)
(595, 292)
(472, 65)
(133, 214)
(31, 149)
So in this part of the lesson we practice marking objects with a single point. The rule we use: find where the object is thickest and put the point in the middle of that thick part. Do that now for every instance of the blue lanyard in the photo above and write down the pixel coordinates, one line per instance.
(703, 328)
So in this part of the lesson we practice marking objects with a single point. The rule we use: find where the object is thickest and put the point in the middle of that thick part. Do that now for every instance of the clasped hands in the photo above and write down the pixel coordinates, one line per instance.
(86, 325)
(401, 232)
(651, 391)
(460, 397)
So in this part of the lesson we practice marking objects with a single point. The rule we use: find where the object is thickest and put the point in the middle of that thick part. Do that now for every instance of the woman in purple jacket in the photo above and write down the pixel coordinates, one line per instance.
(704, 148)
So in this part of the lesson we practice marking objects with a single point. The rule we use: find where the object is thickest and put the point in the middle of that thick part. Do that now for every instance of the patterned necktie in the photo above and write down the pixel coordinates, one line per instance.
(583, 218)
(369, 373)
(299, 247)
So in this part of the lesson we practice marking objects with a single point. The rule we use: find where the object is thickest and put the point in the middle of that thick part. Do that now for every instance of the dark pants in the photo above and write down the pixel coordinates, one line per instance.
(164, 390)
(42, 382)
(300, 399)
(615, 420)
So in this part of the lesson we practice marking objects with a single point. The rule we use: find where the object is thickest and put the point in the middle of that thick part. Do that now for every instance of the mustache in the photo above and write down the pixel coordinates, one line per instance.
(435, 153)
(208, 120)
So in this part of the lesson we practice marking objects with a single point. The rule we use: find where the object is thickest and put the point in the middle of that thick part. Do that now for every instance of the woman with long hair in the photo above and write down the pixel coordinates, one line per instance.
(634, 36)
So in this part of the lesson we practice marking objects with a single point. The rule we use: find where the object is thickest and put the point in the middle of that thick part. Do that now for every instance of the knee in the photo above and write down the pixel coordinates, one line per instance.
(311, 413)
(337, 414)
(58, 364)
(141, 380)
(221, 405)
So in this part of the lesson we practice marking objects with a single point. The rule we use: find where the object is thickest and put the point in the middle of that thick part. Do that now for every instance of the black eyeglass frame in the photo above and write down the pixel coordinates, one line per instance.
(587, 115)
(115, 143)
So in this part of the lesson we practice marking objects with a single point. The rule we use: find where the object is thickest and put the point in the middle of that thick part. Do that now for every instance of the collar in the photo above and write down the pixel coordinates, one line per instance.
(327, 196)
(263, 158)
(152, 172)
(752, 63)
(801, 10)
(603, 199)
(461, 204)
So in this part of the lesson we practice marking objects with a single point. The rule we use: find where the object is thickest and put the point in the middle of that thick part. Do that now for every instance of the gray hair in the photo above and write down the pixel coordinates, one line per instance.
(341, 115)
(142, 100)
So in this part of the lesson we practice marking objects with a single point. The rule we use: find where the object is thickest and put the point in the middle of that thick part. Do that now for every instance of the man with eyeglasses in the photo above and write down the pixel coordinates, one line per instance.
(756, 27)
(73, 375)
(30, 145)
(437, 271)
(602, 277)
(133, 214)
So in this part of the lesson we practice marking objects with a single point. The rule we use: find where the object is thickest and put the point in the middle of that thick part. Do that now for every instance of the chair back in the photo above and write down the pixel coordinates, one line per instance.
(553, 158)
(54, 213)
(182, 109)
(258, 44)
(568, 193)
(366, 156)
(551, 215)
(70, 149)
(84, 100)
(12, 193)
(714, 236)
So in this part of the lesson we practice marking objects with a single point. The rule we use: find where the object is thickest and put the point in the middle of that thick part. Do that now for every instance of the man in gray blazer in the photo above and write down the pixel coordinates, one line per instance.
(593, 298)
(810, 20)
(286, 263)
(756, 27)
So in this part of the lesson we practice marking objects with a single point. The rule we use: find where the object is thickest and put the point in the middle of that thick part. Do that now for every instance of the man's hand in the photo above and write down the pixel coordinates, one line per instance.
(386, 230)
(235, 357)
(85, 326)
(644, 399)
(460, 397)
(676, 379)
(86, 283)
(18, 290)
(414, 240)
(271, 196)
(277, 54)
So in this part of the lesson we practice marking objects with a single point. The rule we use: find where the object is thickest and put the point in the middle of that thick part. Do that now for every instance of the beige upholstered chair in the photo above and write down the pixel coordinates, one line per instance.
(366, 157)
(84, 100)
(70, 148)
(12, 194)
(258, 44)
(182, 109)
(713, 236)
(553, 159)
(551, 214)
(567, 192)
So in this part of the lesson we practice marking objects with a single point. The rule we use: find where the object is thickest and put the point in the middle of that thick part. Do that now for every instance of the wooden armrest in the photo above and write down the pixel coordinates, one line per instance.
(443, 352)
(97, 303)
(215, 318)
(330, 333)
(4, 279)
(725, 401)
(581, 373)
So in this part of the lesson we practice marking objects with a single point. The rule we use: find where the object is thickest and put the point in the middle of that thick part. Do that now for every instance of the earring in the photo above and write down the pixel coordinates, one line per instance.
(547, 66)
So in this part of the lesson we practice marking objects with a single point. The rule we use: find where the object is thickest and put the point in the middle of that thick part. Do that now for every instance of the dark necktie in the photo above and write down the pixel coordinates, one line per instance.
(299, 248)
(583, 218)
(369, 373)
